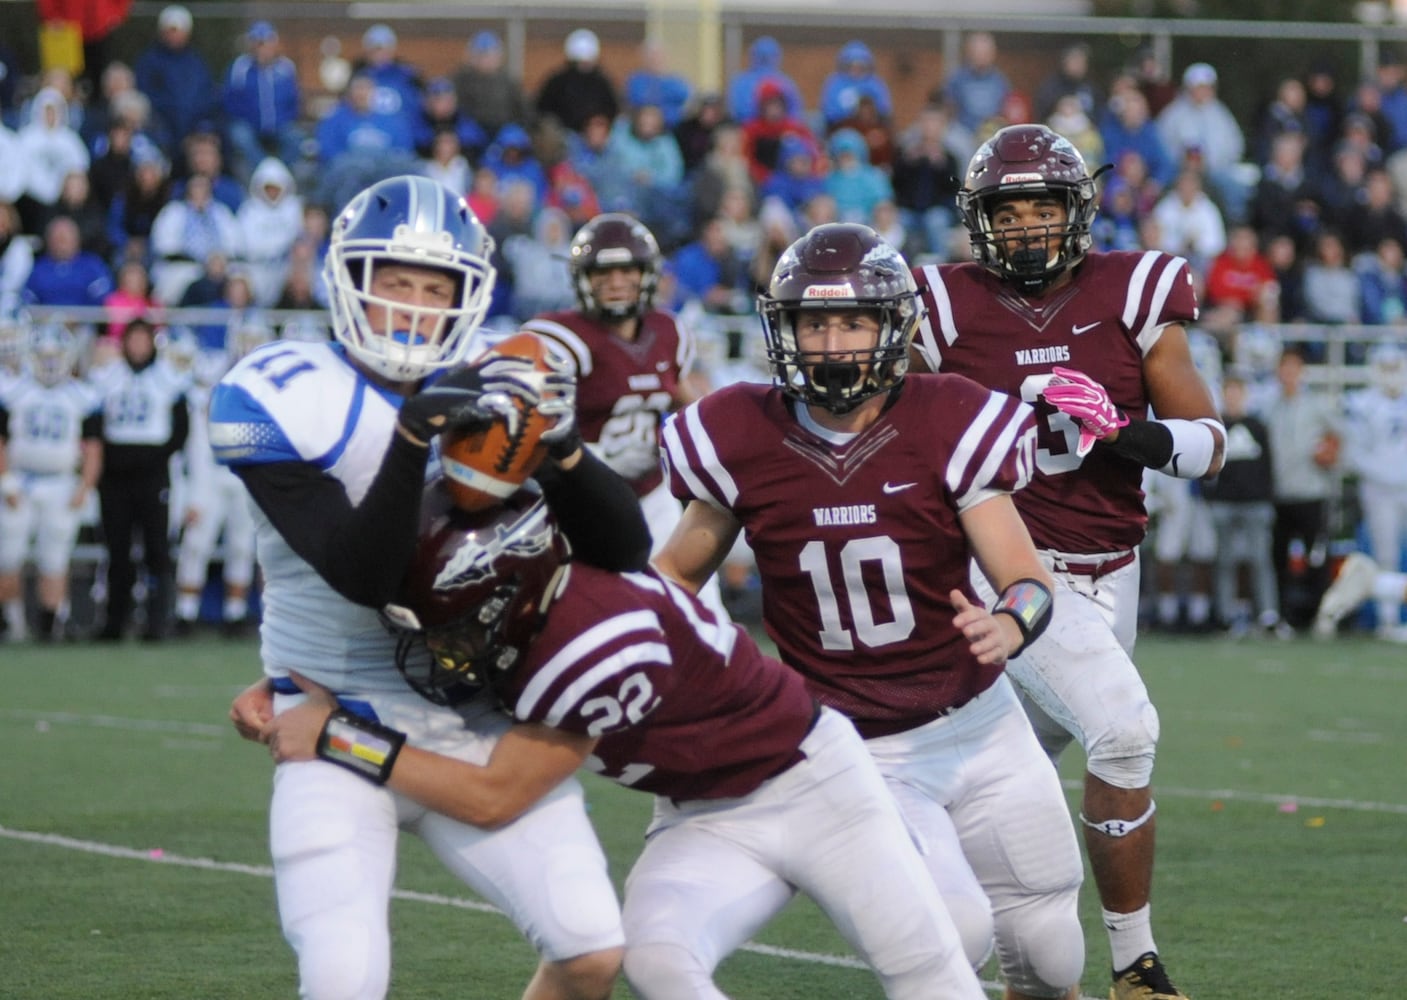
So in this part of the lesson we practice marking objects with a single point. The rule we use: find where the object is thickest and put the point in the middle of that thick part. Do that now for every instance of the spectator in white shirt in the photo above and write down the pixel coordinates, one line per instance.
(269, 222)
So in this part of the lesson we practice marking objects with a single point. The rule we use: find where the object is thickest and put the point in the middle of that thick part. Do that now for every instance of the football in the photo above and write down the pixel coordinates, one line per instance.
(483, 468)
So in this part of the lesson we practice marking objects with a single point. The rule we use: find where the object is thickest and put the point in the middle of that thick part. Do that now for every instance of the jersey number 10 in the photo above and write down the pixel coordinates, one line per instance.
(854, 554)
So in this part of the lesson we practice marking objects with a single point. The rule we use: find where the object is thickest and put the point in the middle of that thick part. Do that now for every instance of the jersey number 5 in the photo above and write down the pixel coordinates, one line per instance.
(880, 549)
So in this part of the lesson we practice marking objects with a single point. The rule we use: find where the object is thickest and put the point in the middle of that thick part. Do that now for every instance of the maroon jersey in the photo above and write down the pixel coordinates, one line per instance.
(624, 388)
(1101, 323)
(681, 704)
(858, 543)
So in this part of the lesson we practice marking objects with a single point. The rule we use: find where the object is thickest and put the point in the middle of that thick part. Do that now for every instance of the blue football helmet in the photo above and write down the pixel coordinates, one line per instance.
(419, 222)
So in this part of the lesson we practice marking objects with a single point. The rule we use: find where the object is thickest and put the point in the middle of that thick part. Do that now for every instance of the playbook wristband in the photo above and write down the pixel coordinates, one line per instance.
(1030, 603)
(361, 746)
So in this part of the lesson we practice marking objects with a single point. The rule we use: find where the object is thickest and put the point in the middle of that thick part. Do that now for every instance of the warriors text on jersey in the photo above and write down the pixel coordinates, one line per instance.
(303, 402)
(682, 704)
(624, 388)
(45, 425)
(1102, 323)
(859, 542)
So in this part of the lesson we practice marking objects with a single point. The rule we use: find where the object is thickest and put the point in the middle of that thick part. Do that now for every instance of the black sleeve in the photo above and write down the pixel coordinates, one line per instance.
(4, 423)
(180, 426)
(599, 513)
(363, 551)
(92, 425)
(1146, 442)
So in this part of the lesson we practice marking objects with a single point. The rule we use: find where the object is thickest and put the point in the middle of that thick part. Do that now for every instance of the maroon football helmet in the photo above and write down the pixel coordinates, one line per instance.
(476, 591)
(840, 266)
(1024, 161)
(614, 240)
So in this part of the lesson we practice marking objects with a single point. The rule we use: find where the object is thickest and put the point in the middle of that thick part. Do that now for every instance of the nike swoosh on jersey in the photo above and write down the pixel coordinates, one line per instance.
(1176, 456)
(1077, 330)
(897, 487)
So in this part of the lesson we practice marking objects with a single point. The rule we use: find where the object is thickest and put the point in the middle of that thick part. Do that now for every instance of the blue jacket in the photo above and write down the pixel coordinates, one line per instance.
(667, 92)
(373, 132)
(180, 87)
(841, 92)
(527, 168)
(398, 88)
(83, 281)
(1145, 141)
(266, 97)
(1384, 297)
(764, 63)
(472, 138)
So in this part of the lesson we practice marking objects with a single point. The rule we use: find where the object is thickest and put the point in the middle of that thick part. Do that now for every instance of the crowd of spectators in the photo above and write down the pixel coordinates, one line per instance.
(1308, 197)
(180, 184)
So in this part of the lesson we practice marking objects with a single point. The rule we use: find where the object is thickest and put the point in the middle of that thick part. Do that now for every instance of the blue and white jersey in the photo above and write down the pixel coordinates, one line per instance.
(292, 401)
(137, 405)
(46, 424)
(1375, 436)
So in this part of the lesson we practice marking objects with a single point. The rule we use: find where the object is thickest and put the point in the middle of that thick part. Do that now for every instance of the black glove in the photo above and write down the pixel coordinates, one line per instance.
(455, 402)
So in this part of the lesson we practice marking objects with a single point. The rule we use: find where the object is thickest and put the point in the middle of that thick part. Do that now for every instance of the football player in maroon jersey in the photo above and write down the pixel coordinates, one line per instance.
(1096, 342)
(761, 792)
(864, 495)
(632, 361)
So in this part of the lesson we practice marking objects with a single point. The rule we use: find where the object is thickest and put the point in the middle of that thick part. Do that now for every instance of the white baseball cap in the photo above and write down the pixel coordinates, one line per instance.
(175, 16)
(1199, 75)
(583, 46)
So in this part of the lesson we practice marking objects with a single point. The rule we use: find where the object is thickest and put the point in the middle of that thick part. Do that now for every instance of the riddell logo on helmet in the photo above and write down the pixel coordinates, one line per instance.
(1031, 178)
(829, 291)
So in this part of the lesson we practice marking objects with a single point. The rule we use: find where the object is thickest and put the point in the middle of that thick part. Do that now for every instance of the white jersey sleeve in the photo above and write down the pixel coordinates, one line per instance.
(303, 402)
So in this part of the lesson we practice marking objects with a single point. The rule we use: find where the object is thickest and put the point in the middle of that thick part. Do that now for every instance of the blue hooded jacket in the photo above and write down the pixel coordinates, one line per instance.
(764, 63)
(842, 90)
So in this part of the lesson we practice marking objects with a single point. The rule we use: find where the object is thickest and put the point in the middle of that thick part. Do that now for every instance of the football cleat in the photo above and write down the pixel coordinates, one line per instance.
(1145, 979)
(1351, 587)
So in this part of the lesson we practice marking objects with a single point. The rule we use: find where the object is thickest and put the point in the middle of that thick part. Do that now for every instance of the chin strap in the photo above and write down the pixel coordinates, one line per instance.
(1120, 827)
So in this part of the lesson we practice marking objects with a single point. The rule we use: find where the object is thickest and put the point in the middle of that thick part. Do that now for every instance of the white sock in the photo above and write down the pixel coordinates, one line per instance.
(1130, 935)
(188, 607)
(1199, 608)
(1390, 586)
(236, 608)
(1167, 609)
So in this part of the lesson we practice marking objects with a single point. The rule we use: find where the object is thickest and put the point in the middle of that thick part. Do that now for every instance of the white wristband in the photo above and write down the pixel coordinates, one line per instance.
(10, 484)
(1194, 446)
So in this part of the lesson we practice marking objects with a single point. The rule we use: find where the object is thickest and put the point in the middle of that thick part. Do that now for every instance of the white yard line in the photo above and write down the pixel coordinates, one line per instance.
(158, 856)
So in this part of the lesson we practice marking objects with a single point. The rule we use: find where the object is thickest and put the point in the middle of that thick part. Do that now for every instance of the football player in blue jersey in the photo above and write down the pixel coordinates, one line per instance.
(333, 442)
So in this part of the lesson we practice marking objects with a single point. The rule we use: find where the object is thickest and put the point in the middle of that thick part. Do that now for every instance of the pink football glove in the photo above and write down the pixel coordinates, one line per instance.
(1077, 395)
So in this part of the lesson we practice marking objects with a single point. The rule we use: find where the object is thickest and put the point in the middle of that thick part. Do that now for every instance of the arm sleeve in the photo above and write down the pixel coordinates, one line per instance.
(180, 426)
(362, 551)
(599, 513)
